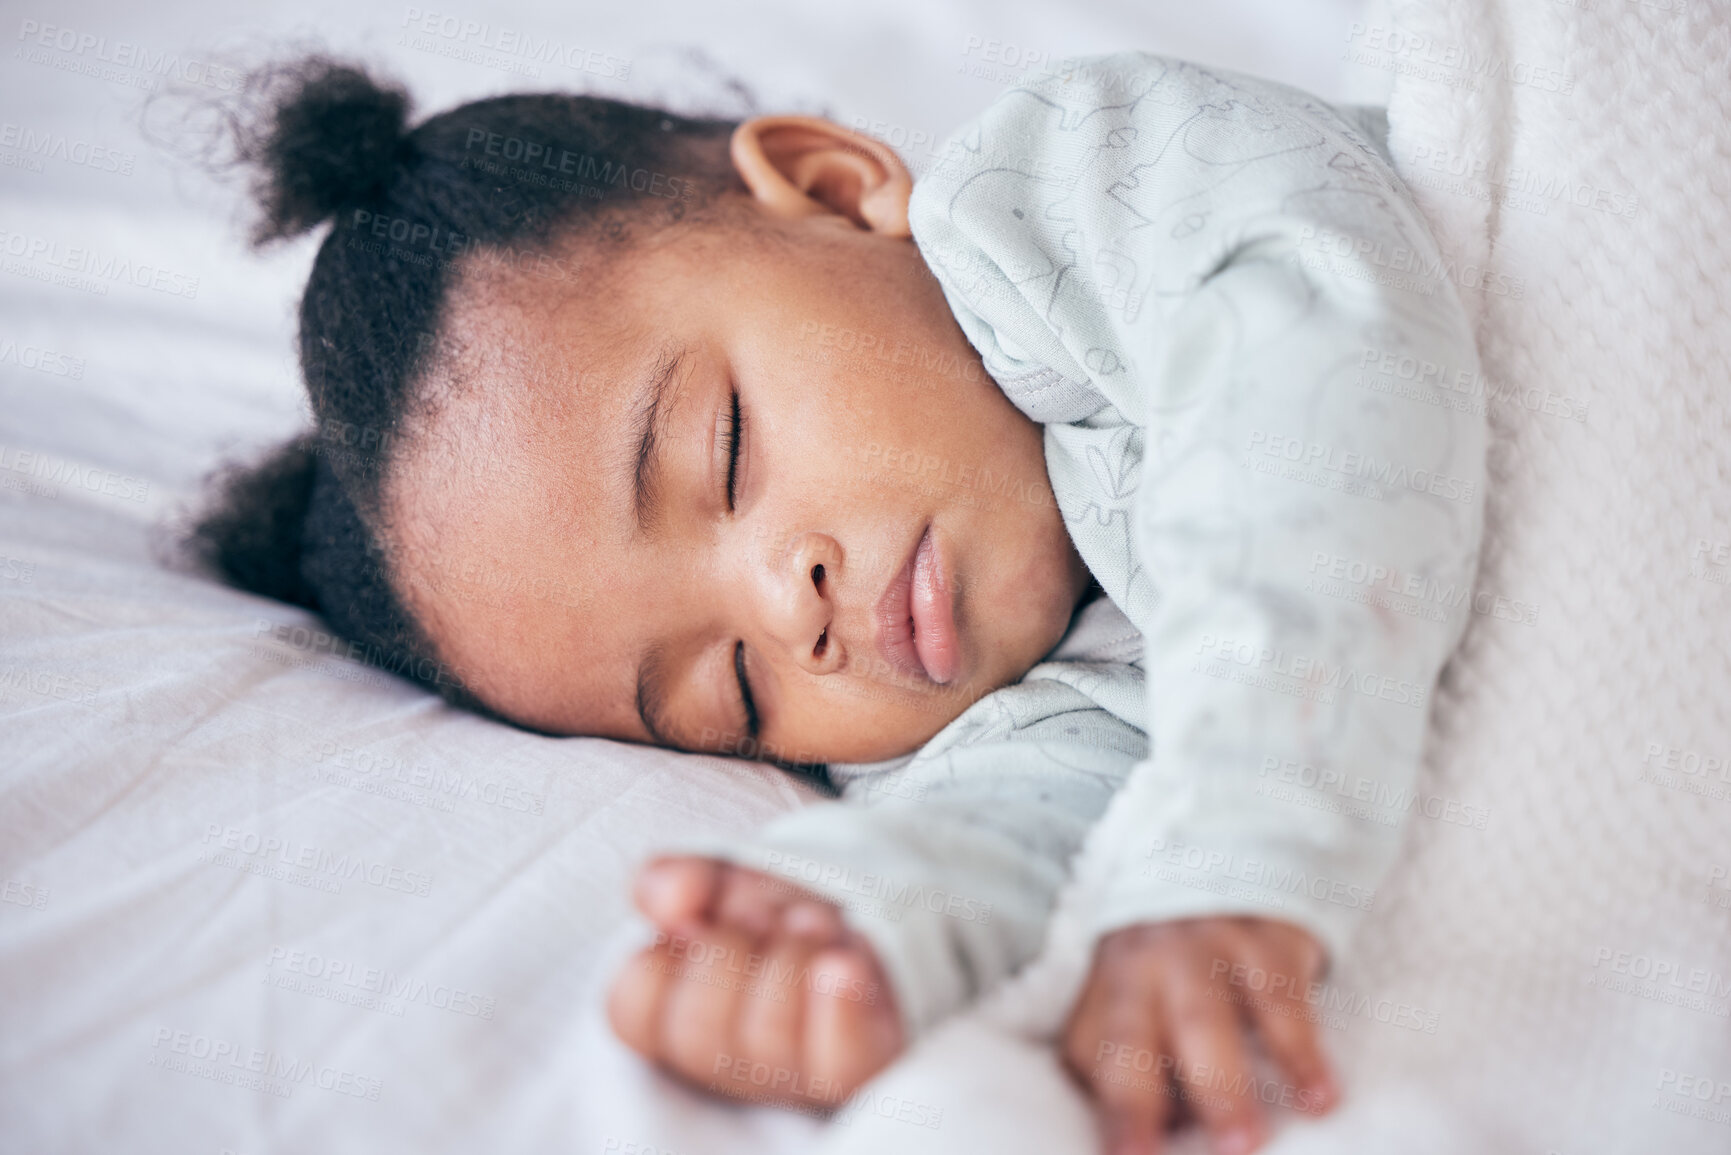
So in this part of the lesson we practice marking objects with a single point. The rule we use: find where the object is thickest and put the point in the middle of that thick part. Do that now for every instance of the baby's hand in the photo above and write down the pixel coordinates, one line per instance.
(754, 989)
(1165, 1015)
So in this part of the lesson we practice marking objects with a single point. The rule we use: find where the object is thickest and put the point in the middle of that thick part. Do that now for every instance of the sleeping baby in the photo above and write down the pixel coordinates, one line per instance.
(1058, 498)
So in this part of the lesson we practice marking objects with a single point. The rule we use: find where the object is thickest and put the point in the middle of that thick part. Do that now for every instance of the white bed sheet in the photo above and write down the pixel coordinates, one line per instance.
(256, 898)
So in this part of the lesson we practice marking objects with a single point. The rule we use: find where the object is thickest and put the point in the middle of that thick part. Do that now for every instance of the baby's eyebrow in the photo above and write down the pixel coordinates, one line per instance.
(649, 424)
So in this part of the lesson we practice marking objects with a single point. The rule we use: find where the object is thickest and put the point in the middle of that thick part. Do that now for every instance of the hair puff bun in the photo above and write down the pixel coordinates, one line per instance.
(331, 138)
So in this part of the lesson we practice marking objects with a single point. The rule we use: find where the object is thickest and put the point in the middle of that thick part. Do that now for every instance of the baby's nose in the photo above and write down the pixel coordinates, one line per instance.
(804, 611)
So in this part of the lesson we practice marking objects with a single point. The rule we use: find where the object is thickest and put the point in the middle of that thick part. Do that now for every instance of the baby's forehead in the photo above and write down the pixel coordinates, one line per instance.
(509, 430)
(515, 359)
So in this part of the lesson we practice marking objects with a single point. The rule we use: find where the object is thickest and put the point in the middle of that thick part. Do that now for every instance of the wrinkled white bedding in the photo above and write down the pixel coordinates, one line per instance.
(254, 898)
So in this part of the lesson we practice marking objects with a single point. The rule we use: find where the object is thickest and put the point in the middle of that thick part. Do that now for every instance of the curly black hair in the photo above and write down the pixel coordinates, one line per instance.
(501, 178)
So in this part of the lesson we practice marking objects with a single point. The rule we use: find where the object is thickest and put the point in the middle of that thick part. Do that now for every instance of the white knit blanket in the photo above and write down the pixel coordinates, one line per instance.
(1549, 966)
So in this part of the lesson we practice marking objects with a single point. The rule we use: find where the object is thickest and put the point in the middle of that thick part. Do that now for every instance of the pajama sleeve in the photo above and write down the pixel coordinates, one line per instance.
(1266, 429)
(1312, 542)
(948, 865)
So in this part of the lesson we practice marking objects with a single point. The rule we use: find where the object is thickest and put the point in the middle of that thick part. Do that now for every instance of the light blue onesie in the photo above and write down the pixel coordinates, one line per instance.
(1250, 361)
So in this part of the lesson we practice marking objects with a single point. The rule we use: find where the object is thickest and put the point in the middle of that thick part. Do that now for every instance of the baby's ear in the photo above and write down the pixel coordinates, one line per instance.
(801, 166)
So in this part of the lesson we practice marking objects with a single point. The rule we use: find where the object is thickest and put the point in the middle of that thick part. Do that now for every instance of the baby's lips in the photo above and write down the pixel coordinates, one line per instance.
(932, 602)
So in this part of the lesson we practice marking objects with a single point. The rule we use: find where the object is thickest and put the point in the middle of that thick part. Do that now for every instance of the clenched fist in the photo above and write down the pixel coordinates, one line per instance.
(754, 989)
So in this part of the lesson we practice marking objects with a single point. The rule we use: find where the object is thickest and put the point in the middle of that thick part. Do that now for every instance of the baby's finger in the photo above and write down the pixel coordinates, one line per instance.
(1293, 1044)
(699, 1010)
(771, 1024)
(1207, 1034)
(752, 901)
(634, 1003)
(852, 1029)
(814, 920)
(1129, 1083)
(675, 891)
(1288, 942)
(1287, 1025)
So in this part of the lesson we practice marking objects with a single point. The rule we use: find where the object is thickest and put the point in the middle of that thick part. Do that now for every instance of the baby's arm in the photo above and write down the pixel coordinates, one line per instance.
(934, 881)
(758, 987)
(948, 867)
(1309, 513)
(1289, 710)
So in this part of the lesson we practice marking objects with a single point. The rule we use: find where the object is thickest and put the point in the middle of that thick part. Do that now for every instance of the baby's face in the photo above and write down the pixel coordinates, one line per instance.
(752, 493)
